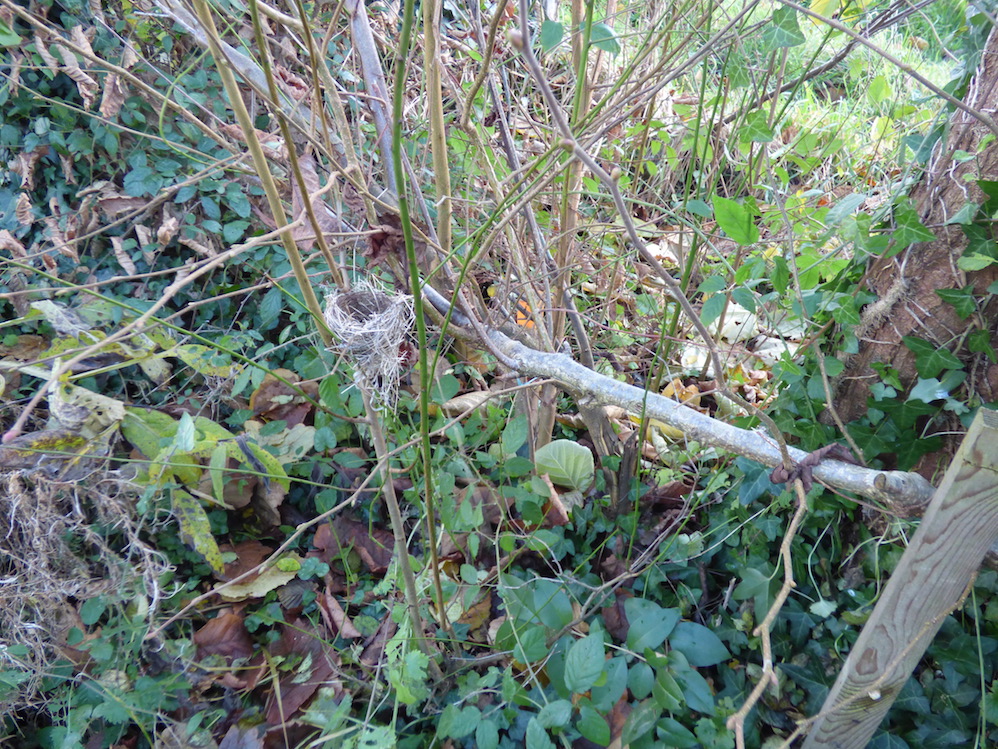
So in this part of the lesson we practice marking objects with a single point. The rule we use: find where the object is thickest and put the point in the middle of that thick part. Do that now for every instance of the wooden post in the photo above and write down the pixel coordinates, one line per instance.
(930, 581)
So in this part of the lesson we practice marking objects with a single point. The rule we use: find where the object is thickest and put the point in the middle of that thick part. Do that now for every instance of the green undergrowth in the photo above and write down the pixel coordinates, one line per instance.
(220, 434)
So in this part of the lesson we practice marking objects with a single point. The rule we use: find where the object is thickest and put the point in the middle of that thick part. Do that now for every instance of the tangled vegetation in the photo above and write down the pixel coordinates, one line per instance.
(268, 479)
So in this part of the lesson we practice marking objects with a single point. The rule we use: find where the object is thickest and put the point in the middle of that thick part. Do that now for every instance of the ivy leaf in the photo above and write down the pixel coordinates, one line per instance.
(961, 299)
(782, 31)
(975, 261)
(909, 228)
(929, 359)
(756, 128)
(487, 735)
(584, 663)
(736, 220)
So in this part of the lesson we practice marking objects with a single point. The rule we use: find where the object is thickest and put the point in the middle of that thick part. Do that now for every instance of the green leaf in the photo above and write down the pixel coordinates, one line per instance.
(961, 299)
(271, 307)
(514, 435)
(92, 610)
(712, 308)
(531, 645)
(696, 690)
(216, 469)
(584, 663)
(699, 208)
(701, 647)
(593, 726)
(667, 692)
(650, 624)
(605, 695)
(672, 733)
(909, 228)
(782, 31)
(603, 37)
(145, 429)
(756, 128)
(195, 529)
(487, 735)
(184, 439)
(979, 341)
(567, 463)
(8, 37)
(744, 298)
(844, 208)
(205, 361)
(641, 720)
(537, 737)
(975, 261)
(555, 714)
(878, 90)
(929, 359)
(822, 608)
(233, 231)
(640, 680)
(965, 216)
(551, 35)
(736, 220)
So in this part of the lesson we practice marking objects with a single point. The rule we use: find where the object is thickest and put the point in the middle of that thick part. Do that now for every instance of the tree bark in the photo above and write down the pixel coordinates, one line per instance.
(906, 283)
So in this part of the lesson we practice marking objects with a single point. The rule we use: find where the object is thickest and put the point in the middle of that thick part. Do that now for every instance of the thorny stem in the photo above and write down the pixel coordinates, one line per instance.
(571, 144)
(260, 161)
(398, 530)
(429, 505)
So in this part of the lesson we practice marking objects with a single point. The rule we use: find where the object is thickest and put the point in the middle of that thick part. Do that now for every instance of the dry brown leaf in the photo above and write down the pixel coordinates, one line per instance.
(121, 255)
(374, 546)
(336, 618)
(113, 97)
(25, 217)
(167, 230)
(238, 737)
(85, 84)
(10, 243)
(318, 664)
(25, 166)
(276, 401)
(375, 648)
(225, 635)
(249, 554)
(113, 205)
(615, 618)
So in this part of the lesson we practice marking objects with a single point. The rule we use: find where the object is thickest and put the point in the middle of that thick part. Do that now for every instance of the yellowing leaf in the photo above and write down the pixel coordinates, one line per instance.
(268, 580)
(826, 8)
(202, 360)
(195, 530)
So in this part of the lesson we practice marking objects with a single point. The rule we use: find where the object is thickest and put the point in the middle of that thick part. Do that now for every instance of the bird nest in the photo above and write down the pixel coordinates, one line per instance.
(372, 328)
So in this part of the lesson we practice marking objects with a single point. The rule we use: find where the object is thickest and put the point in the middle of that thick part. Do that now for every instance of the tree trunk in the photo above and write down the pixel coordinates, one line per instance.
(906, 283)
